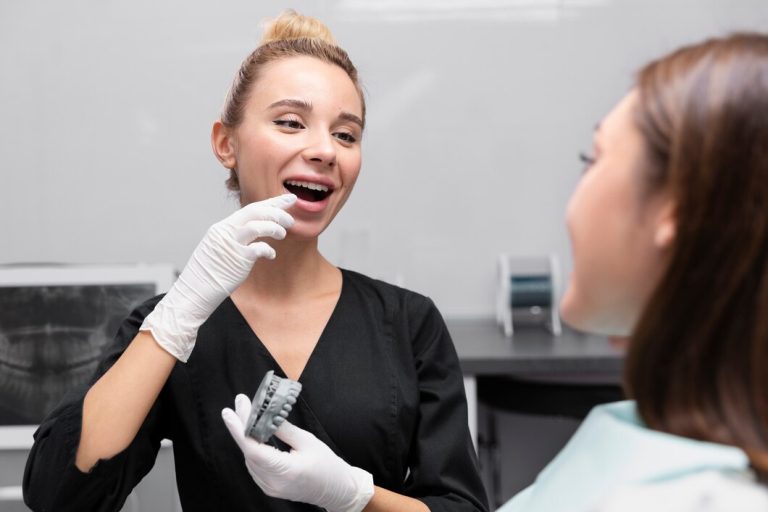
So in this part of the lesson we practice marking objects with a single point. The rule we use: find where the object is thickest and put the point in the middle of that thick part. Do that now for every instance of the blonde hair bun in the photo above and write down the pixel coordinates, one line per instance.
(292, 25)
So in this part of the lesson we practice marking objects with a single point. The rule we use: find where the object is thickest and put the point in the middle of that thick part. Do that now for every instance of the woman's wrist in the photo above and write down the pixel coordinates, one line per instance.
(384, 500)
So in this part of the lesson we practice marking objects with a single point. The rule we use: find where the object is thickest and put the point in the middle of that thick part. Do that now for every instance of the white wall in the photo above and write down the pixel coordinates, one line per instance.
(477, 112)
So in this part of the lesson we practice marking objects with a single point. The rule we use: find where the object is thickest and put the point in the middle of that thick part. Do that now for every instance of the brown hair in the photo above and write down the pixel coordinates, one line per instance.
(289, 35)
(698, 362)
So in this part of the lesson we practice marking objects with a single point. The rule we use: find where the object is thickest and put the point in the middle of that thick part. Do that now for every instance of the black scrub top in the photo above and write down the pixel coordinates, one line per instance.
(382, 388)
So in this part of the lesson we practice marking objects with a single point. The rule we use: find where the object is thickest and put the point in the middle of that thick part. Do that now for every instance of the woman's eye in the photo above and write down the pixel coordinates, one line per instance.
(587, 160)
(346, 137)
(293, 124)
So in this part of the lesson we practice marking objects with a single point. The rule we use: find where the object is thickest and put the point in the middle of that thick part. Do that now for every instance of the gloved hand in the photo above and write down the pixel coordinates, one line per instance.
(309, 473)
(219, 264)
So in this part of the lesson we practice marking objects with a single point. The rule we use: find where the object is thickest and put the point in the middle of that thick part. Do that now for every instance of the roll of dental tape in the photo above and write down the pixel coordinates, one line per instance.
(527, 293)
(532, 291)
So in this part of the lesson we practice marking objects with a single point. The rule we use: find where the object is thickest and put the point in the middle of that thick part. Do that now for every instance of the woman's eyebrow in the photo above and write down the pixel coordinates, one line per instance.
(290, 102)
(347, 116)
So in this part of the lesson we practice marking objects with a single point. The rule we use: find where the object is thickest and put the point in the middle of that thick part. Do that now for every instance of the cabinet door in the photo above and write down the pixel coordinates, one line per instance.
(155, 493)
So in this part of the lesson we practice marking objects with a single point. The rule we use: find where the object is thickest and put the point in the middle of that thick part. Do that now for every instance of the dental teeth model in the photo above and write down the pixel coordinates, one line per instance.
(271, 405)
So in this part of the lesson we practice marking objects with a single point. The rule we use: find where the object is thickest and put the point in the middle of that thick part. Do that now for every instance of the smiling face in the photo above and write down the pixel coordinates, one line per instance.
(619, 231)
(301, 133)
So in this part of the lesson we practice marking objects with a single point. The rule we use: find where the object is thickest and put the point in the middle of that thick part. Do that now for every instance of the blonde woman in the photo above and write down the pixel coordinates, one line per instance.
(381, 423)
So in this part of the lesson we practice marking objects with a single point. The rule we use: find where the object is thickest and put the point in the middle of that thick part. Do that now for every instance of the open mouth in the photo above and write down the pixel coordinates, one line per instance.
(307, 191)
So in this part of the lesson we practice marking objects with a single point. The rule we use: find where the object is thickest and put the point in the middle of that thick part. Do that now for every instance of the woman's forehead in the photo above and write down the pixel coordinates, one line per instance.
(318, 83)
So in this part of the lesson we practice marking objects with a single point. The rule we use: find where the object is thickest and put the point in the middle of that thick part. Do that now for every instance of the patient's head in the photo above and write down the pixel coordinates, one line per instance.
(616, 220)
(670, 238)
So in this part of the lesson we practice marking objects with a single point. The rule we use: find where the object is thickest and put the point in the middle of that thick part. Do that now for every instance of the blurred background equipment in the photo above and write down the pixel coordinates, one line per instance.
(527, 293)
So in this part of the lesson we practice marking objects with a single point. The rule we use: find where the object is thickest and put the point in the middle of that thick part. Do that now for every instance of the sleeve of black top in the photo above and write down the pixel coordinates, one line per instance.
(51, 479)
(444, 471)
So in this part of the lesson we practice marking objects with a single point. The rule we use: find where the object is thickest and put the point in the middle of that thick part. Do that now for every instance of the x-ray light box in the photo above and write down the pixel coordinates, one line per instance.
(55, 321)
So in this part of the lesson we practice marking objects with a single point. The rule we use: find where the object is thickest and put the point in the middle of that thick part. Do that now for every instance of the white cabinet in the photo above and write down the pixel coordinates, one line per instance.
(155, 493)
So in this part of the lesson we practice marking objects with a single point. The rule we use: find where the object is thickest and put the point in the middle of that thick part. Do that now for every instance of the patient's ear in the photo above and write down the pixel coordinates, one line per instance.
(666, 226)
(223, 144)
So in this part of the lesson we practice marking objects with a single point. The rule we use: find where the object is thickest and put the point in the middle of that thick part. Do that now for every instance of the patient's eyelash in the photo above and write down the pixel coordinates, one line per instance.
(588, 161)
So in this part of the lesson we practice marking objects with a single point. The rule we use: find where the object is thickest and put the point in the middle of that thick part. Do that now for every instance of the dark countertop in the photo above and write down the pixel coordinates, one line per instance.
(534, 353)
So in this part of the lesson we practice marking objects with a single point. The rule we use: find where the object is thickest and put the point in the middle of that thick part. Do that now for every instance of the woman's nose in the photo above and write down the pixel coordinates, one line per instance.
(321, 151)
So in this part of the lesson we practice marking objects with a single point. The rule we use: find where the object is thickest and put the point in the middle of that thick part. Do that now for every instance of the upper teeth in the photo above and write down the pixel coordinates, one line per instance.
(309, 185)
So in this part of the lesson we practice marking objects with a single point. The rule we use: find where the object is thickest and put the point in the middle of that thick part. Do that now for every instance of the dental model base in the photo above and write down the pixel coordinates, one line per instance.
(271, 405)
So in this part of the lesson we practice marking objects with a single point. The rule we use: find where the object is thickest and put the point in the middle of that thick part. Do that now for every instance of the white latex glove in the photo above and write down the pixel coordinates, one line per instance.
(309, 473)
(220, 263)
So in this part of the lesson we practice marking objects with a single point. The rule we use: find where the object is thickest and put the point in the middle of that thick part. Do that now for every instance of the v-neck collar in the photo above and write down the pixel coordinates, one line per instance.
(313, 355)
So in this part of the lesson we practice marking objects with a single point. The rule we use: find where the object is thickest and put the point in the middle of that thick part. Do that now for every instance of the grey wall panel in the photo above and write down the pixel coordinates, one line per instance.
(477, 113)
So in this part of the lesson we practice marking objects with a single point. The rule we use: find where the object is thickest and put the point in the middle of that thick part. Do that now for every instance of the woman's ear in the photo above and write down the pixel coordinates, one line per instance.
(223, 144)
(666, 226)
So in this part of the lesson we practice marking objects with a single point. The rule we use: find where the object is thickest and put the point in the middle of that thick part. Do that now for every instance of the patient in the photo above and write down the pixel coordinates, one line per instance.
(669, 228)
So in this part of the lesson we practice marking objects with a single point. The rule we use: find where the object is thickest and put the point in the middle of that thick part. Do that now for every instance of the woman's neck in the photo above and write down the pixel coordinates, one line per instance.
(298, 271)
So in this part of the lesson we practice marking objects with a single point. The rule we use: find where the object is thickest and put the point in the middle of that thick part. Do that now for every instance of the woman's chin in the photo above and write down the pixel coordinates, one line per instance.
(584, 316)
(303, 231)
(571, 313)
